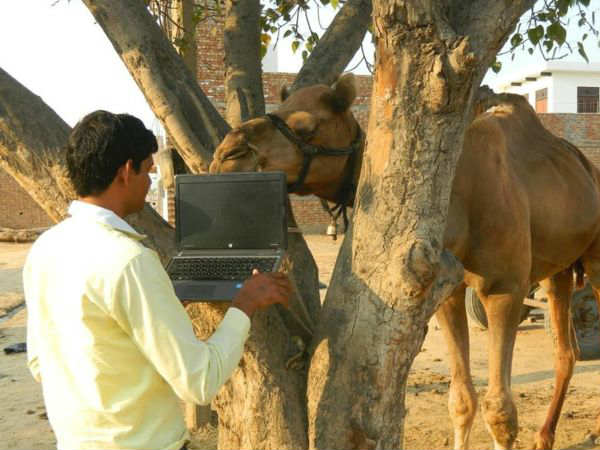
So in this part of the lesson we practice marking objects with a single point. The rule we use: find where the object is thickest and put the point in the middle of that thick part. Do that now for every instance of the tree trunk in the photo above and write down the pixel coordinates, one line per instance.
(392, 271)
(170, 89)
(263, 405)
(32, 145)
(244, 96)
(337, 46)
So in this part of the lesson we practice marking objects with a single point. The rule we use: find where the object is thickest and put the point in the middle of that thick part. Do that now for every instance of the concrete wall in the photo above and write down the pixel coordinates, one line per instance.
(561, 78)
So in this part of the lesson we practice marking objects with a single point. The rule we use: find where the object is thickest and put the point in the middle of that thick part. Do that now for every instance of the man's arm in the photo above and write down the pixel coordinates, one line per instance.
(146, 307)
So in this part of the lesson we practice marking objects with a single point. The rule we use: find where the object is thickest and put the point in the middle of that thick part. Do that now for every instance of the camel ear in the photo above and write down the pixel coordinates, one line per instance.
(344, 92)
(285, 93)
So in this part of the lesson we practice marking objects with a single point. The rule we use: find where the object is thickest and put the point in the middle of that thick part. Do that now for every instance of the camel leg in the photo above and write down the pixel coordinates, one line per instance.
(462, 401)
(499, 411)
(559, 289)
(591, 264)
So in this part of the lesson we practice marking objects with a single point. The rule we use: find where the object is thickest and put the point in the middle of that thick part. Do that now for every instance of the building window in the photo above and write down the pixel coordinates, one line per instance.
(541, 100)
(587, 99)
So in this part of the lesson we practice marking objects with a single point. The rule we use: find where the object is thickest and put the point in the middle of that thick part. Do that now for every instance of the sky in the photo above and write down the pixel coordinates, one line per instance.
(58, 52)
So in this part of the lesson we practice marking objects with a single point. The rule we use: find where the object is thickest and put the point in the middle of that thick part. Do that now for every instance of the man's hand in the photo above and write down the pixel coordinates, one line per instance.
(262, 290)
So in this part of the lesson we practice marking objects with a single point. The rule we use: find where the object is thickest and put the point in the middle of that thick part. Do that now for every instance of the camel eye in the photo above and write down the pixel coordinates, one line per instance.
(234, 153)
(305, 133)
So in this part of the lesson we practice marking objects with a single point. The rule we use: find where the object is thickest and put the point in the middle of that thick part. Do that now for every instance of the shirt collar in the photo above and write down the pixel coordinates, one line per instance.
(101, 215)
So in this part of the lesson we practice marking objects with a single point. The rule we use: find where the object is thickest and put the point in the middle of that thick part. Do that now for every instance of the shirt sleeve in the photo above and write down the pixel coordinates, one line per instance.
(145, 305)
(30, 297)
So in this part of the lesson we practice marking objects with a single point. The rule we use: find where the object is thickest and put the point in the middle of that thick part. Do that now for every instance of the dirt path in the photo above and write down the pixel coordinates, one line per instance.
(23, 424)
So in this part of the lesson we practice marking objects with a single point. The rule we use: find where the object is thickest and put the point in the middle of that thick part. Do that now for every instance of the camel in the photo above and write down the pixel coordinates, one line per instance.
(524, 208)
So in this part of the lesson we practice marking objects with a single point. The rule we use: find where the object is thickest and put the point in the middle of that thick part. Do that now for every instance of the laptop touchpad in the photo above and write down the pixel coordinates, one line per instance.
(194, 291)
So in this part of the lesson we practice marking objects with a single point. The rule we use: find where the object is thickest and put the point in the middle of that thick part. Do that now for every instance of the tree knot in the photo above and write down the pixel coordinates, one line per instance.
(419, 269)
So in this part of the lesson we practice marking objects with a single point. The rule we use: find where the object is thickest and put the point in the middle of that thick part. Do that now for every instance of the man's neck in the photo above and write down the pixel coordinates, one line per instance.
(107, 202)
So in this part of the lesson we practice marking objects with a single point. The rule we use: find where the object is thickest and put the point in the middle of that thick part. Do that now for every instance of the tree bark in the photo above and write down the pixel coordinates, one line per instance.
(184, 31)
(392, 271)
(337, 46)
(285, 426)
(32, 141)
(32, 149)
(170, 89)
(244, 97)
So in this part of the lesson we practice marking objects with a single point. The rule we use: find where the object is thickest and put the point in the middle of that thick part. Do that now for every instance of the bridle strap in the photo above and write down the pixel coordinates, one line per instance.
(309, 151)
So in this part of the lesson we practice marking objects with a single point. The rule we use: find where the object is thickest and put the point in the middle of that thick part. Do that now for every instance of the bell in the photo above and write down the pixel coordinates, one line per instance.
(332, 230)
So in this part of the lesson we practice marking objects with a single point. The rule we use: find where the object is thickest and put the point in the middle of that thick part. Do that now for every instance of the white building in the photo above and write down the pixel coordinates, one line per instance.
(556, 86)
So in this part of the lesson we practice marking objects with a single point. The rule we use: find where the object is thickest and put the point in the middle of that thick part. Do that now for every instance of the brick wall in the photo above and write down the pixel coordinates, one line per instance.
(19, 211)
(582, 130)
(17, 208)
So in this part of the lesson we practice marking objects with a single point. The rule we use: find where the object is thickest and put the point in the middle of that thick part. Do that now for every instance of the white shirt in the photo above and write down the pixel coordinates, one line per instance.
(110, 341)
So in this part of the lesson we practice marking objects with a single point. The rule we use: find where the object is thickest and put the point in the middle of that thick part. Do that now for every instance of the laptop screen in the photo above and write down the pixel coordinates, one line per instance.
(231, 211)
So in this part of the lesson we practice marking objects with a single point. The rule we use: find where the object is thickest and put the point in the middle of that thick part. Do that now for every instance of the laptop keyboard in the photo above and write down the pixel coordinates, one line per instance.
(219, 268)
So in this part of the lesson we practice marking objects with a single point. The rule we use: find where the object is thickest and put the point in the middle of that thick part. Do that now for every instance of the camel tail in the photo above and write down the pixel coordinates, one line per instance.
(579, 272)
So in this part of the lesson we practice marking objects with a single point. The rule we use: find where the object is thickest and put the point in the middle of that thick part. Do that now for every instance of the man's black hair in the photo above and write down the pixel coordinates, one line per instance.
(101, 143)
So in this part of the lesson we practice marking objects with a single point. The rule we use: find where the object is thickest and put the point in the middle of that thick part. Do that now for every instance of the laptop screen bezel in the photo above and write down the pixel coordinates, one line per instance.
(182, 179)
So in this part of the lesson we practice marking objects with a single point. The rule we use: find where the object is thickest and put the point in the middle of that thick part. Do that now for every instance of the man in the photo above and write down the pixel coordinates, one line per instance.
(111, 344)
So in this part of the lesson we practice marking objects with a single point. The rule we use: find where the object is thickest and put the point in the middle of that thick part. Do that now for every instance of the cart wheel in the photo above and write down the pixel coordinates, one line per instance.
(584, 314)
(476, 311)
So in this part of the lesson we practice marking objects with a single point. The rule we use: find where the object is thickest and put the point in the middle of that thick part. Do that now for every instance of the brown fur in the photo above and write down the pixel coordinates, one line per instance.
(524, 208)
(319, 115)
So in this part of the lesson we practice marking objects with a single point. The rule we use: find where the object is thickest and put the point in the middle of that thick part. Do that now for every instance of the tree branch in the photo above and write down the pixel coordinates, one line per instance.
(193, 123)
(244, 95)
(337, 46)
(33, 140)
(490, 23)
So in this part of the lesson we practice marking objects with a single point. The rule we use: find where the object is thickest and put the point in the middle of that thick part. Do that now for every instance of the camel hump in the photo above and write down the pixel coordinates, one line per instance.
(500, 103)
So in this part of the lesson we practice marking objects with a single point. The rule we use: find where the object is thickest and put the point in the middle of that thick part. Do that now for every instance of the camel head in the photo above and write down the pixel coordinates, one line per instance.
(312, 137)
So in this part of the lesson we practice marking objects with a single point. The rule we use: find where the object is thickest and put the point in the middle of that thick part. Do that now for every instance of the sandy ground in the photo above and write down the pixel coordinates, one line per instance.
(23, 424)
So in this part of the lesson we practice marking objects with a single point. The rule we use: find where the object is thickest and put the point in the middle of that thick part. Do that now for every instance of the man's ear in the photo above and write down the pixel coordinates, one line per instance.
(125, 172)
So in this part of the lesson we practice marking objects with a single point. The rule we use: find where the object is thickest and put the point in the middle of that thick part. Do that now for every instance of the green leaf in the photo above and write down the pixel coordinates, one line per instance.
(335, 4)
(496, 66)
(535, 34)
(557, 33)
(584, 2)
(581, 51)
(548, 44)
(516, 39)
(563, 6)
(295, 46)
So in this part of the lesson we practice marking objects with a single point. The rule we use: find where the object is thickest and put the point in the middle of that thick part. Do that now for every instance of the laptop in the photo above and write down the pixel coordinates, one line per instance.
(226, 226)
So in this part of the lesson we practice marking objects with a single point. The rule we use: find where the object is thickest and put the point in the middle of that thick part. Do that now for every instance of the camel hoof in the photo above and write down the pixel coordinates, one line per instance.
(591, 438)
(543, 442)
